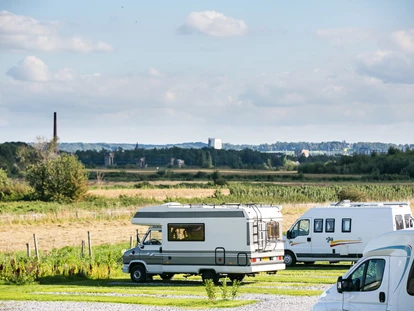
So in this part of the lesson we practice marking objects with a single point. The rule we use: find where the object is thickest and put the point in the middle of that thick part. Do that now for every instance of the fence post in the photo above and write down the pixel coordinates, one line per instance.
(89, 244)
(28, 249)
(83, 249)
(35, 246)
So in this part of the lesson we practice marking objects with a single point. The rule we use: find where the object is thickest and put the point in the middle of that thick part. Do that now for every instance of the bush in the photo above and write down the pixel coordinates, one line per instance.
(354, 195)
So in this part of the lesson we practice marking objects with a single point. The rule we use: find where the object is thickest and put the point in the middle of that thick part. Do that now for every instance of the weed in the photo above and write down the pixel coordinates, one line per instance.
(210, 289)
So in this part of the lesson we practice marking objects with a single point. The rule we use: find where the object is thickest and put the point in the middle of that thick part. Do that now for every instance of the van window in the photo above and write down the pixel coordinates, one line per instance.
(408, 221)
(368, 276)
(301, 228)
(330, 225)
(346, 224)
(318, 225)
(399, 224)
(186, 232)
(410, 281)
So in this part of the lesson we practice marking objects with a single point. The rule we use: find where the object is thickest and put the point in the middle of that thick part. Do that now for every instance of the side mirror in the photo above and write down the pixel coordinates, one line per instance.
(339, 285)
(289, 234)
(343, 285)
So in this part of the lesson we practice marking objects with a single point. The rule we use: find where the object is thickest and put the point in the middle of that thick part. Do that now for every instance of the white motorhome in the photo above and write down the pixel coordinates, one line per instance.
(213, 241)
(382, 280)
(340, 232)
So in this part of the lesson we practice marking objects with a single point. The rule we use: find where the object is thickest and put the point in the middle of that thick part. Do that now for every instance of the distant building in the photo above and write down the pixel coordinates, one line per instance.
(214, 143)
(109, 159)
(140, 162)
(301, 152)
(176, 162)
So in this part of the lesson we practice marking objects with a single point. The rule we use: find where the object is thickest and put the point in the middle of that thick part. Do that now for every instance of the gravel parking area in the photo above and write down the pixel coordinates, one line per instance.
(267, 302)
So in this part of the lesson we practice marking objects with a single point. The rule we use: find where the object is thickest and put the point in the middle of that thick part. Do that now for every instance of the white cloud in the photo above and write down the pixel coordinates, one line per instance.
(404, 40)
(344, 36)
(24, 33)
(30, 68)
(388, 66)
(152, 72)
(214, 24)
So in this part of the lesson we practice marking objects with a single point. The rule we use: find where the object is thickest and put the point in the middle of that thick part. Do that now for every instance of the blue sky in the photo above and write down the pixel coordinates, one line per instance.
(247, 72)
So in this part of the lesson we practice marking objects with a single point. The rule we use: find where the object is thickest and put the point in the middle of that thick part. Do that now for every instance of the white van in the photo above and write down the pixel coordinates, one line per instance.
(213, 241)
(382, 280)
(340, 232)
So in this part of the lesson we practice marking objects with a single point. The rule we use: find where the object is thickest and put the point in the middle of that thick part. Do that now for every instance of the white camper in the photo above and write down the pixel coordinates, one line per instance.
(231, 240)
(340, 232)
(382, 280)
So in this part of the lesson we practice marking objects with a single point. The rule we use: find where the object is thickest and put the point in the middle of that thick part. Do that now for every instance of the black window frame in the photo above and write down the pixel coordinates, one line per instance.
(314, 225)
(343, 225)
(333, 225)
(410, 289)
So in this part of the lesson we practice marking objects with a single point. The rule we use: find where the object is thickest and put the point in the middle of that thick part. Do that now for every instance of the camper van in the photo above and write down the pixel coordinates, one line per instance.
(382, 280)
(213, 241)
(340, 232)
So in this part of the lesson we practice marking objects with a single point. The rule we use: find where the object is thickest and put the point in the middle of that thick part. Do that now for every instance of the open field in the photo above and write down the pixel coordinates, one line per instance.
(148, 171)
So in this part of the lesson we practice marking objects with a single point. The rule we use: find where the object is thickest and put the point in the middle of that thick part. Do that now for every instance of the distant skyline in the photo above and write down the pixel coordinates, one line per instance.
(166, 72)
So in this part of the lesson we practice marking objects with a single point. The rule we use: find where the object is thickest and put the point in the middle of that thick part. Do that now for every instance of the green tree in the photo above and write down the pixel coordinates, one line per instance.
(61, 178)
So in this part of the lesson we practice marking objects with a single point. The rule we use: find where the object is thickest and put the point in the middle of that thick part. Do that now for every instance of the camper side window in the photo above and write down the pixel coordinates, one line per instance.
(408, 221)
(399, 224)
(330, 225)
(318, 225)
(186, 232)
(346, 224)
(410, 281)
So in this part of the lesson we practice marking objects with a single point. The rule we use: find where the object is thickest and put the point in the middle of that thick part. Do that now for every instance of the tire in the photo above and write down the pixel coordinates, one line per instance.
(236, 277)
(166, 276)
(138, 274)
(210, 275)
(289, 259)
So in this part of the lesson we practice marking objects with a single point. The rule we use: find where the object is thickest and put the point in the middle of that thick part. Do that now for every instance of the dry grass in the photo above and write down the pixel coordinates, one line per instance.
(158, 194)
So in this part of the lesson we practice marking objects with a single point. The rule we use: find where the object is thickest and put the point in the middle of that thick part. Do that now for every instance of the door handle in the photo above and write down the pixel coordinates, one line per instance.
(382, 297)
(308, 239)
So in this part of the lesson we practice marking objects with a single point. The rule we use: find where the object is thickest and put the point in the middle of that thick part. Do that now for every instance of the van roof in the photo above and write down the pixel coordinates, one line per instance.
(400, 241)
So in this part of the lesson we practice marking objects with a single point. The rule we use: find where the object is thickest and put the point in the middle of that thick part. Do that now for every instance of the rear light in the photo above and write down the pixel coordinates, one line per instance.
(253, 259)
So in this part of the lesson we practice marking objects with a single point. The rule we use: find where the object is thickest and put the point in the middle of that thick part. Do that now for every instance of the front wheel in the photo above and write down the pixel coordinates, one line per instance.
(138, 274)
(289, 259)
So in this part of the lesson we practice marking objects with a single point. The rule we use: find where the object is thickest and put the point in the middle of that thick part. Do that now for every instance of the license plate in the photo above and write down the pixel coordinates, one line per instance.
(265, 259)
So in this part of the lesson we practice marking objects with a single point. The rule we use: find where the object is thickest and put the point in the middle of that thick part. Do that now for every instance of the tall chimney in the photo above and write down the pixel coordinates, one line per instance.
(54, 126)
(55, 147)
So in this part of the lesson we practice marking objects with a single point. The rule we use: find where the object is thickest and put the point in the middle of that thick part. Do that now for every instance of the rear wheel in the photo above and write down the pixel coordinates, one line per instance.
(166, 276)
(289, 259)
(236, 277)
(210, 275)
(138, 274)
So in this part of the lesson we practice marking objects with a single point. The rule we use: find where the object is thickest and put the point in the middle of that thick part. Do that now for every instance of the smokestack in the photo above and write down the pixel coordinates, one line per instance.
(55, 147)
(54, 126)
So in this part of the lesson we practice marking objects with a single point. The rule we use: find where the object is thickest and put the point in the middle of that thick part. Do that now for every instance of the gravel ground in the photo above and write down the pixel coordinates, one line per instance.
(267, 302)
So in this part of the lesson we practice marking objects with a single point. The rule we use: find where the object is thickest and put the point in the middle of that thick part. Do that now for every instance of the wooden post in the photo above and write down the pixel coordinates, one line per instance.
(83, 249)
(28, 249)
(89, 244)
(130, 242)
(35, 246)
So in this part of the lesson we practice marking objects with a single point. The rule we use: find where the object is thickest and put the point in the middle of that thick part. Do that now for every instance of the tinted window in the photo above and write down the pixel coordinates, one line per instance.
(410, 282)
(318, 225)
(186, 232)
(346, 224)
(330, 225)
(399, 224)
(300, 228)
(407, 218)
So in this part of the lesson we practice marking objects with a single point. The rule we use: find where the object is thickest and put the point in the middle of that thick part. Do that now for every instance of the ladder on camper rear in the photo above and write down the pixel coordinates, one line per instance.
(259, 230)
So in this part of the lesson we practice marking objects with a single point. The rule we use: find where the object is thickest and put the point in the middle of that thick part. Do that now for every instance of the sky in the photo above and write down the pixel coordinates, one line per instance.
(247, 72)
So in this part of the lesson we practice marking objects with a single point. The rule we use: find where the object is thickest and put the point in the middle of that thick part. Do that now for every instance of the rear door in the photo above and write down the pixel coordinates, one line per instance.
(370, 282)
